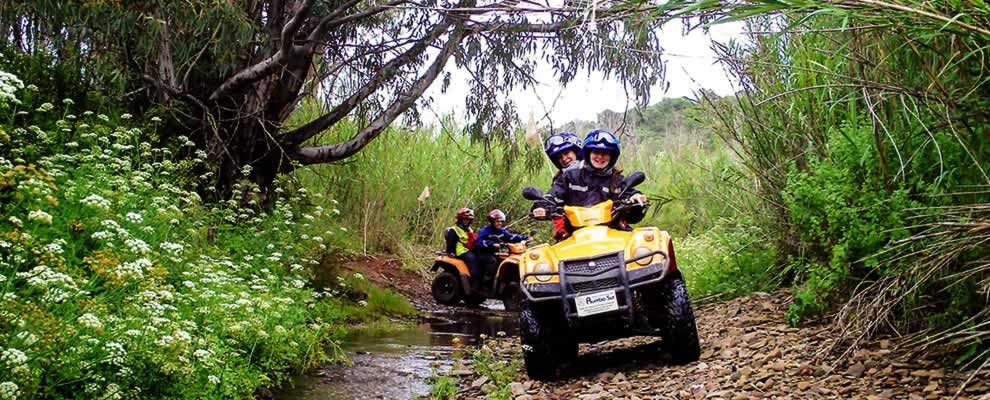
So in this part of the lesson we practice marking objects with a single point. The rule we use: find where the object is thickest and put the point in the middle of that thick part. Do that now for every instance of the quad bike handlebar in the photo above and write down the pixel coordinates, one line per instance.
(554, 206)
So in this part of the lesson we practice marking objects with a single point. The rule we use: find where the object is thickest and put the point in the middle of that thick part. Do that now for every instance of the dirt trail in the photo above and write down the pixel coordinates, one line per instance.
(748, 351)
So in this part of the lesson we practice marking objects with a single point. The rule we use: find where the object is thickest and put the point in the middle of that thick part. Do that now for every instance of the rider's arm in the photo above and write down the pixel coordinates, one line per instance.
(451, 239)
(515, 237)
(484, 240)
(634, 214)
(560, 186)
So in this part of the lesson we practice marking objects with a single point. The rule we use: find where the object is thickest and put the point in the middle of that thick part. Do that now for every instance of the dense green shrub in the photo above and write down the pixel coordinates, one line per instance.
(119, 282)
(844, 215)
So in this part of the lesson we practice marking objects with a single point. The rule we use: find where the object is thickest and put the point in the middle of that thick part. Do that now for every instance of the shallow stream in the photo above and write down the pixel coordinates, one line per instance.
(398, 366)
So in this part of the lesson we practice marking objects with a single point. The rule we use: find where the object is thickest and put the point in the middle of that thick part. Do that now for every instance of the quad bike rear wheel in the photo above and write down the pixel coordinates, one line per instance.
(669, 309)
(546, 343)
(446, 289)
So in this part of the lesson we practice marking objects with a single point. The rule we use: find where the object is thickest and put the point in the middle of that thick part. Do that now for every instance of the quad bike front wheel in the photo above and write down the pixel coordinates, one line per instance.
(545, 342)
(669, 309)
(446, 289)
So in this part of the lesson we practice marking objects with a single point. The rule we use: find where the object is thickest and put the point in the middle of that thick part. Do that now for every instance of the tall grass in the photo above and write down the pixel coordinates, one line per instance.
(696, 187)
(706, 200)
(853, 117)
(380, 191)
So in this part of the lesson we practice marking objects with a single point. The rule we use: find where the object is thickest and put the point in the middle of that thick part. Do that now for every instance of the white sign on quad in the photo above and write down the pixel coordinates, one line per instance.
(596, 303)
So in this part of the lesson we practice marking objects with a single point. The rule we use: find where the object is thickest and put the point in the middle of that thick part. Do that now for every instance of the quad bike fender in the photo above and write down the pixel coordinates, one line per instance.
(457, 267)
(508, 267)
(508, 270)
(654, 239)
(457, 264)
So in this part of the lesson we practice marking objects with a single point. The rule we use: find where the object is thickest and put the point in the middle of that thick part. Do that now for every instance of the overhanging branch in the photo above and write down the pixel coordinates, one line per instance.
(334, 19)
(385, 74)
(340, 151)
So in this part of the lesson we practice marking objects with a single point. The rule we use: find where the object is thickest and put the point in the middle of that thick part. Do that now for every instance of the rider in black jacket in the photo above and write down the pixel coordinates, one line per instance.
(595, 179)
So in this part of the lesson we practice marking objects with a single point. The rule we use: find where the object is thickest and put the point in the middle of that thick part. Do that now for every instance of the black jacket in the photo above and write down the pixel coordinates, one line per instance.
(581, 186)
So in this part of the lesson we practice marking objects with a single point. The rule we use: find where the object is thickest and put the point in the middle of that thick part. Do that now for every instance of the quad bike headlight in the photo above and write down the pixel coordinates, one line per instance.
(542, 268)
(642, 251)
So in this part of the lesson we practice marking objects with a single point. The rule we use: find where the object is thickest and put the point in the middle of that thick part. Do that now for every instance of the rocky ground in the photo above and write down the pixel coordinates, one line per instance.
(749, 351)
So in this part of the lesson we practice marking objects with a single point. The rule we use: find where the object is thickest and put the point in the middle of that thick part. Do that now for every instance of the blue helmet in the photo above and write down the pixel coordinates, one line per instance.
(601, 139)
(559, 143)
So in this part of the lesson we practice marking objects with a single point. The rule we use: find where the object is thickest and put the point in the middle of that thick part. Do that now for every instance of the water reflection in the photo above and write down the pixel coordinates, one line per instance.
(399, 365)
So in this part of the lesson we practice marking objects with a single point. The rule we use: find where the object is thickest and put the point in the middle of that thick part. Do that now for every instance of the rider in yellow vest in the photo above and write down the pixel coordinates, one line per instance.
(460, 240)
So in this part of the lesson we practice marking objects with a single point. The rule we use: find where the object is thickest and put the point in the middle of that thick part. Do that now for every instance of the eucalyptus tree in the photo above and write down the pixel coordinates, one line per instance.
(233, 71)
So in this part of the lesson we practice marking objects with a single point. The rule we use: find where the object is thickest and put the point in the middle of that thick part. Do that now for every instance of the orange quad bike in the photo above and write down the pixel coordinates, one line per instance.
(453, 283)
(603, 282)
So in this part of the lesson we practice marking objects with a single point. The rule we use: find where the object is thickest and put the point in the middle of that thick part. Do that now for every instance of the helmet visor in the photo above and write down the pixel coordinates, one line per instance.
(601, 137)
(555, 140)
(562, 139)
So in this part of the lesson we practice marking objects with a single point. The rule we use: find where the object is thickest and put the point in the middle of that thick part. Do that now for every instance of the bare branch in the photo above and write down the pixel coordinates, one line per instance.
(340, 151)
(292, 27)
(385, 74)
(263, 68)
(172, 91)
(332, 20)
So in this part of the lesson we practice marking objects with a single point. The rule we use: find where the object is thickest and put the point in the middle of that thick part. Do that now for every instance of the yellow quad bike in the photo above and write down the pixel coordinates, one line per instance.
(601, 283)
(453, 283)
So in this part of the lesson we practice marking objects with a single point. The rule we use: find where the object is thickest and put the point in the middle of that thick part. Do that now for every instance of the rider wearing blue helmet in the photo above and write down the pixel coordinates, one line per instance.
(563, 149)
(596, 180)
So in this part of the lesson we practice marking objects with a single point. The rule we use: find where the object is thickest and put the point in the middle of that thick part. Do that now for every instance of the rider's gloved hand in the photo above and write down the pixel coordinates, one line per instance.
(638, 199)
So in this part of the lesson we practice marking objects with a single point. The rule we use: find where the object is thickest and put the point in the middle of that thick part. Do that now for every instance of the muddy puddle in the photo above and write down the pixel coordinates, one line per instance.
(398, 366)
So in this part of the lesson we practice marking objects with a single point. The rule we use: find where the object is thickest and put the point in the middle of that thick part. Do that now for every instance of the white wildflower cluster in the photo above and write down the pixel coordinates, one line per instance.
(9, 85)
(213, 379)
(204, 356)
(102, 235)
(134, 218)
(41, 216)
(10, 391)
(27, 338)
(96, 201)
(173, 249)
(88, 320)
(133, 269)
(58, 286)
(54, 248)
(137, 246)
(112, 392)
(116, 353)
(13, 358)
(180, 336)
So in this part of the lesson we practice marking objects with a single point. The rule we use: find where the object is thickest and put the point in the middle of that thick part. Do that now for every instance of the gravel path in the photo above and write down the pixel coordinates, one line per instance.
(748, 351)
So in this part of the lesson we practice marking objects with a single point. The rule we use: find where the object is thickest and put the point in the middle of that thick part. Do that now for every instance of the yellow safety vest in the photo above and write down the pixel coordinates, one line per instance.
(464, 240)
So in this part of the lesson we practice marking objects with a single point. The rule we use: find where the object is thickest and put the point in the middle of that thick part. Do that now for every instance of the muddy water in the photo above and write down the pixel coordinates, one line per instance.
(398, 366)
